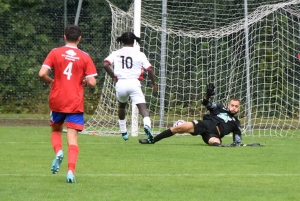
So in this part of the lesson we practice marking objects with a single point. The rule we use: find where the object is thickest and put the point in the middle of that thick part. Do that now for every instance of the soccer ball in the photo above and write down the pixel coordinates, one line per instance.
(178, 122)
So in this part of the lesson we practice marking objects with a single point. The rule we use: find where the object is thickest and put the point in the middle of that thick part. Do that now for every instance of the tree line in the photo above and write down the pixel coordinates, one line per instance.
(29, 30)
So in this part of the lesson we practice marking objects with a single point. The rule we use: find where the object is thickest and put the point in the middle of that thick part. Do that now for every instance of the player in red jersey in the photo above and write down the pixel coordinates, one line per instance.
(73, 69)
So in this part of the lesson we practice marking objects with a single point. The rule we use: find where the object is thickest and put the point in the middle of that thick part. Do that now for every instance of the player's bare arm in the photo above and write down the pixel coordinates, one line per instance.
(107, 67)
(89, 81)
(152, 78)
(44, 75)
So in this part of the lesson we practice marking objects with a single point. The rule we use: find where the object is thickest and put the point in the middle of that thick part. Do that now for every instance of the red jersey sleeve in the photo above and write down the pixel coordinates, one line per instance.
(49, 61)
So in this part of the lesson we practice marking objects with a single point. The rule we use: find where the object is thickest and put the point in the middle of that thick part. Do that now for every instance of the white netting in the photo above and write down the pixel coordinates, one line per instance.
(206, 43)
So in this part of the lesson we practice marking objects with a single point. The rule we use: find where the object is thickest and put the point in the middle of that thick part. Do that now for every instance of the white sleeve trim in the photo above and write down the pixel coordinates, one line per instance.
(92, 75)
(46, 66)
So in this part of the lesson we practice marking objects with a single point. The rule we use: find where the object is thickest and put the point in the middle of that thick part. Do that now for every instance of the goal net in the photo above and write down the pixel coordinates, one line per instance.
(206, 42)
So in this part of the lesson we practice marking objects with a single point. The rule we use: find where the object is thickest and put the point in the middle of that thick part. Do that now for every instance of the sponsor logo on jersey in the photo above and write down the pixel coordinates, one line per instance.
(226, 117)
(70, 55)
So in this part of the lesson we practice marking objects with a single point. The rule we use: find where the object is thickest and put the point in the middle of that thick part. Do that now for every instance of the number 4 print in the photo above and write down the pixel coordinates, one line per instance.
(68, 70)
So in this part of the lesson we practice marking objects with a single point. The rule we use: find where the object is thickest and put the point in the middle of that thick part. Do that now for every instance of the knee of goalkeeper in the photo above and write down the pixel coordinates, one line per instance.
(213, 141)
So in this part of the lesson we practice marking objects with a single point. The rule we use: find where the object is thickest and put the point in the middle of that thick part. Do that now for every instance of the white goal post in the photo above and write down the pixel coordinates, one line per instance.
(206, 42)
(137, 32)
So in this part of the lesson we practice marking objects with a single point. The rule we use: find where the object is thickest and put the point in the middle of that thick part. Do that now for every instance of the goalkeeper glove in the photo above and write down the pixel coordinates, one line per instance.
(210, 90)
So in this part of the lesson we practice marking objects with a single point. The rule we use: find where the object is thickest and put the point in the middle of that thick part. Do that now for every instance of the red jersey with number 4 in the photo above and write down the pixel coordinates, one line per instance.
(70, 66)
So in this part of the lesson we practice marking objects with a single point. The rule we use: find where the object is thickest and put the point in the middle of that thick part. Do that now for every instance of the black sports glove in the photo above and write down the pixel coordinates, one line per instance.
(210, 90)
(227, 145)
(242, 145)
(252, 145)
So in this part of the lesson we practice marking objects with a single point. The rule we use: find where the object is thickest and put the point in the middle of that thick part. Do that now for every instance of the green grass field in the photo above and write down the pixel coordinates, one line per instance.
(177, 168)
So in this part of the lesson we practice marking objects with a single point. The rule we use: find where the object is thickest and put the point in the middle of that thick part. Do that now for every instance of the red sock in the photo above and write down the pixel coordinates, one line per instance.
(56, 141)
(72, 157)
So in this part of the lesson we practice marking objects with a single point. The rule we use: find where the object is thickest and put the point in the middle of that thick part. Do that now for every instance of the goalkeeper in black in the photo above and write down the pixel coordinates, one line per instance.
(219, 122)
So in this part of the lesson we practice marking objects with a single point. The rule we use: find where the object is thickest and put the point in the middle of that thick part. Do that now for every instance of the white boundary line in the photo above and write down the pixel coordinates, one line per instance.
(158, 175)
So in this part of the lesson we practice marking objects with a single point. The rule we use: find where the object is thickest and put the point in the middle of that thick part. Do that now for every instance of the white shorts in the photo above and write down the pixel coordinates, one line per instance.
(126, 88)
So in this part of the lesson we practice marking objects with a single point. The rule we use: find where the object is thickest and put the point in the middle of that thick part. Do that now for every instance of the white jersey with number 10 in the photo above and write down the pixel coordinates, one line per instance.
(129, 63)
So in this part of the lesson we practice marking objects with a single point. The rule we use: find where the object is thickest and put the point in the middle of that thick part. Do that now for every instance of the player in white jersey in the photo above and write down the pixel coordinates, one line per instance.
(129, 67)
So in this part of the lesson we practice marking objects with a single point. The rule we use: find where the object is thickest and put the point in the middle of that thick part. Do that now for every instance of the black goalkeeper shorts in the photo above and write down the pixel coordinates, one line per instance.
(206, 129)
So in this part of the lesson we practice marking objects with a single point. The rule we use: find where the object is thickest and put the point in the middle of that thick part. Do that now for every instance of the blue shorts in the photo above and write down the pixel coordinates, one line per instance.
(73, 120)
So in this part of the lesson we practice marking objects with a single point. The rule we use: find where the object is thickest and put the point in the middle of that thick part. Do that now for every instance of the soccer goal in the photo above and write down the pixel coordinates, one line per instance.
(253, 58)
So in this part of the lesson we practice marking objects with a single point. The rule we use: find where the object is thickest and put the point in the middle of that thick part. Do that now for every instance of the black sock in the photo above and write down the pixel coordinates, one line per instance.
(162, 135)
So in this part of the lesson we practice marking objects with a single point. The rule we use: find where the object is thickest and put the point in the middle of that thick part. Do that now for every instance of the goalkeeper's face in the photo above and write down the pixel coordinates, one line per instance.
(234, 106)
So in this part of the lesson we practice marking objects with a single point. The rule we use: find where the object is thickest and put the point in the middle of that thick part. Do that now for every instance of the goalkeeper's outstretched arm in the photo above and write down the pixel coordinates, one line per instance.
(210, 106)
(210, 91)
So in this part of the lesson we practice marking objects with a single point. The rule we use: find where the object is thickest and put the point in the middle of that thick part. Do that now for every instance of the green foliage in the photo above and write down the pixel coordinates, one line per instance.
(31, 28)
(4, 7)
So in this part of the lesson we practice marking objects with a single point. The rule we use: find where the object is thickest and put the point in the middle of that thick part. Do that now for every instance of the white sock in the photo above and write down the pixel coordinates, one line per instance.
(122, 124)
(147, 121)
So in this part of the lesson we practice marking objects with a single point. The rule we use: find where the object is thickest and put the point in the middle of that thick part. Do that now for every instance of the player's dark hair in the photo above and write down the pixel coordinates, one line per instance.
(72, 33)
(235, 99)
(128, 38)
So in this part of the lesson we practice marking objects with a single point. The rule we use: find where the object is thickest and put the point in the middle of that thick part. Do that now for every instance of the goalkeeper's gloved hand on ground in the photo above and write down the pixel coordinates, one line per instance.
(236, 144)
(242, 145)
(210, 90)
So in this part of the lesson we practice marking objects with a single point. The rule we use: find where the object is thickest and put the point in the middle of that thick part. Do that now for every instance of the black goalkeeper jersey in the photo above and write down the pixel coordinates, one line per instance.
(223, 118)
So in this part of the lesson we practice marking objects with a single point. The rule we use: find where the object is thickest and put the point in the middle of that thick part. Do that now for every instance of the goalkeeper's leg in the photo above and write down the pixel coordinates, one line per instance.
(211, 139)
(187, 127)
